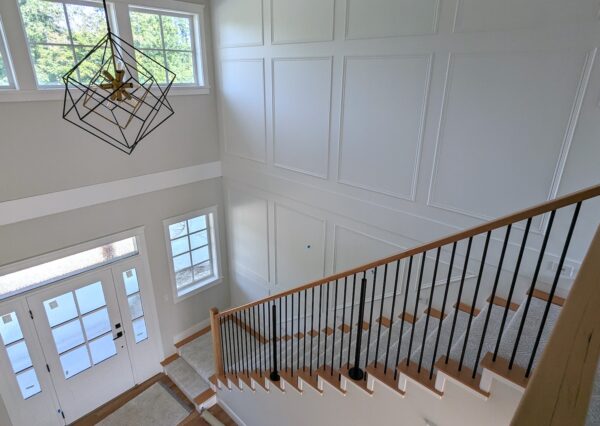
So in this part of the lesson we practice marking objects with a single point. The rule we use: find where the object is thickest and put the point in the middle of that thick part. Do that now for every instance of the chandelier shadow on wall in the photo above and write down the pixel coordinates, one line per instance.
(110, 95)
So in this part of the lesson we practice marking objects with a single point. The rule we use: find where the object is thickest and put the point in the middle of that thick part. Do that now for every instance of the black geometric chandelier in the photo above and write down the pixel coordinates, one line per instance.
(112, 96)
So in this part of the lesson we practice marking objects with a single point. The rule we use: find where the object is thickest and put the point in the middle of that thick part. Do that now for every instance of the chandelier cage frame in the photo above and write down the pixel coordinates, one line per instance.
(121, 92)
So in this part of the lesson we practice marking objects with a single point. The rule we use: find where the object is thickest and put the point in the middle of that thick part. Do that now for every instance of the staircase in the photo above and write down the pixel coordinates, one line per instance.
(470, 309)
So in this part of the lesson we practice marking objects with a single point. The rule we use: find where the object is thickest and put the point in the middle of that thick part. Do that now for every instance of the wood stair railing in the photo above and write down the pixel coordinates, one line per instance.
(278, 333)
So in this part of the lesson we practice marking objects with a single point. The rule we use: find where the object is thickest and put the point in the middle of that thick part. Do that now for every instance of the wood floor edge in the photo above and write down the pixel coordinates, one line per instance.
(194, 336)
(168, 360)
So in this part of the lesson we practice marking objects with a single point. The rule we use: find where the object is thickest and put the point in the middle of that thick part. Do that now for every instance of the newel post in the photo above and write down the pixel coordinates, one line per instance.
(216, 340)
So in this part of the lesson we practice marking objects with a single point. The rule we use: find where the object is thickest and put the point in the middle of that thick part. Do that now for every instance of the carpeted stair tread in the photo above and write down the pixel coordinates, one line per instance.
(199, 355)
(476, 333)
(530, 331)
(186, 378)
(460, 328)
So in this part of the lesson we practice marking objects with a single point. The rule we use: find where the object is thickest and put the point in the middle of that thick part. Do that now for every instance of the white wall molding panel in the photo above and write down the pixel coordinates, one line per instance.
(301, 95)
(59, 202)
(404, 121)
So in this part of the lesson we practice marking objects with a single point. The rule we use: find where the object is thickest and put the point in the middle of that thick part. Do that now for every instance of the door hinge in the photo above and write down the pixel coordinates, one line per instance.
(31, 314)
(48, 368)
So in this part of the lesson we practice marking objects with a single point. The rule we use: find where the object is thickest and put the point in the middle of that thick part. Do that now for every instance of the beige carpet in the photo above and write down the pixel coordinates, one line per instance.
(155, 406)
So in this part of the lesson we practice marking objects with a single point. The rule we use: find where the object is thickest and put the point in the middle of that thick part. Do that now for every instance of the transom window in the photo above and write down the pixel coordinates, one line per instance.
(170, 39)
(192, 247)
(60, 34)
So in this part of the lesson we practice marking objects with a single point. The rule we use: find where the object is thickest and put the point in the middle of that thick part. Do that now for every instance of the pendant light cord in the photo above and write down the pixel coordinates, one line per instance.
(106, 15)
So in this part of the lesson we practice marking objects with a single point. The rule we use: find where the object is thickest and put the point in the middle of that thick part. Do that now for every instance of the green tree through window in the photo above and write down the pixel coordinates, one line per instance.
(60, 34)
(3, 74)
(167, 39)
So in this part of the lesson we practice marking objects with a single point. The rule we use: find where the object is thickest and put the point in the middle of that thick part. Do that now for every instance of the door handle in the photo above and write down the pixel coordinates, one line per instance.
(119, 335)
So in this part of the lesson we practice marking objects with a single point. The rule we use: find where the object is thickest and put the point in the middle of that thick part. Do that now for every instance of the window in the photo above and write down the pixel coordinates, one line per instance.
(134, 300)
(18, 355)
(6, 74)
(193, 251)
(170, 39)
(60, 34)
(26, 279)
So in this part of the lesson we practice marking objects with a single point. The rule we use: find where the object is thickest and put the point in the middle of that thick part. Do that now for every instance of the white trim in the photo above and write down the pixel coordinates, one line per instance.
(212, 228)
(58, 202)
(58, 94)
(192, 330)
(7, 60)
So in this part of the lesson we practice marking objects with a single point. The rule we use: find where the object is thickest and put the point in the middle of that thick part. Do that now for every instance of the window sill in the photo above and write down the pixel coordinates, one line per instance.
(16, 95)
(202, 286)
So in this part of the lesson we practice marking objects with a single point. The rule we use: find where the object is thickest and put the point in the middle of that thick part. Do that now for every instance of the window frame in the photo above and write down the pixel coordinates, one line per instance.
(216, 277)
(57, 87)
(6, 59)
(196, 34)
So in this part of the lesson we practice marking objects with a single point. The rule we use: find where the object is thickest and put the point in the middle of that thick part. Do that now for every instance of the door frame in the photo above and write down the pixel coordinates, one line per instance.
(144, 370)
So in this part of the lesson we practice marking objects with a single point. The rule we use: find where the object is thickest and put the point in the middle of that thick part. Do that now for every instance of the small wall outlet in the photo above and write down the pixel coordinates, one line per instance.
(567, 271)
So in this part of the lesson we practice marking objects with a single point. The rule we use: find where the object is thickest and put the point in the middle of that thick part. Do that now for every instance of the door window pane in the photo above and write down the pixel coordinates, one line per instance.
(139, 330)
(75, 362)
(67, 336)
(19, 356)
(10, 330)
(28, 383)
(131, 282)
(90, 297)
(135, 306)
(96, 323)
(60, 309)
(102, 348)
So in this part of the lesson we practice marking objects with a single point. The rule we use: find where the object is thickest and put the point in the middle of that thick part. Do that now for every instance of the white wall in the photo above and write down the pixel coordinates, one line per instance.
(385, 407)
(376, 125)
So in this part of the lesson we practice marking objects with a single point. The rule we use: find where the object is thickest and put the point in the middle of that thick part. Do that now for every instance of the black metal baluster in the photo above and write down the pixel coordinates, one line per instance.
(335, 298)
(387, 351)
(512, 287)
(385, 271)
(282, 340)
(292, 346)
(259, 355)
(244, 341)
(319, 325)
(312, 325)
(428, 314)
(298, 324)
(470, 320)
(439, 332)
(561, 262)
(274, 376)
(264, 327)
(234, 346)
(251, 342)
(248, 342)
(305, 339)
(410, 262)
(460, 290)
(343, 323)
(412, 332)
(351, 320)
(371, 315)
(492, 297)
(356, 373)
(326, 322)
(532, 288)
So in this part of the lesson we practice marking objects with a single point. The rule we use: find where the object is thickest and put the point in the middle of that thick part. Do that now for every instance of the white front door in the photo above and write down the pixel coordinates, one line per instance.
(25, 385)
(80, 330)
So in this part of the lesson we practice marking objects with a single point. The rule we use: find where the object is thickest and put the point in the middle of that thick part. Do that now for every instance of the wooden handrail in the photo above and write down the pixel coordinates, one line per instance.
(216, 341)
(575, 197)
(560, 387)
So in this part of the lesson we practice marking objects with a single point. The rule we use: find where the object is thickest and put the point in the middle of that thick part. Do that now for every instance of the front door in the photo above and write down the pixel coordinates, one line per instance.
(81, 333)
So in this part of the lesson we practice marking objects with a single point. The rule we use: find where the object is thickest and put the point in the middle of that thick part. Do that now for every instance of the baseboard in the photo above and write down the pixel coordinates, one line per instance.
(230, 412)
(194, 329)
